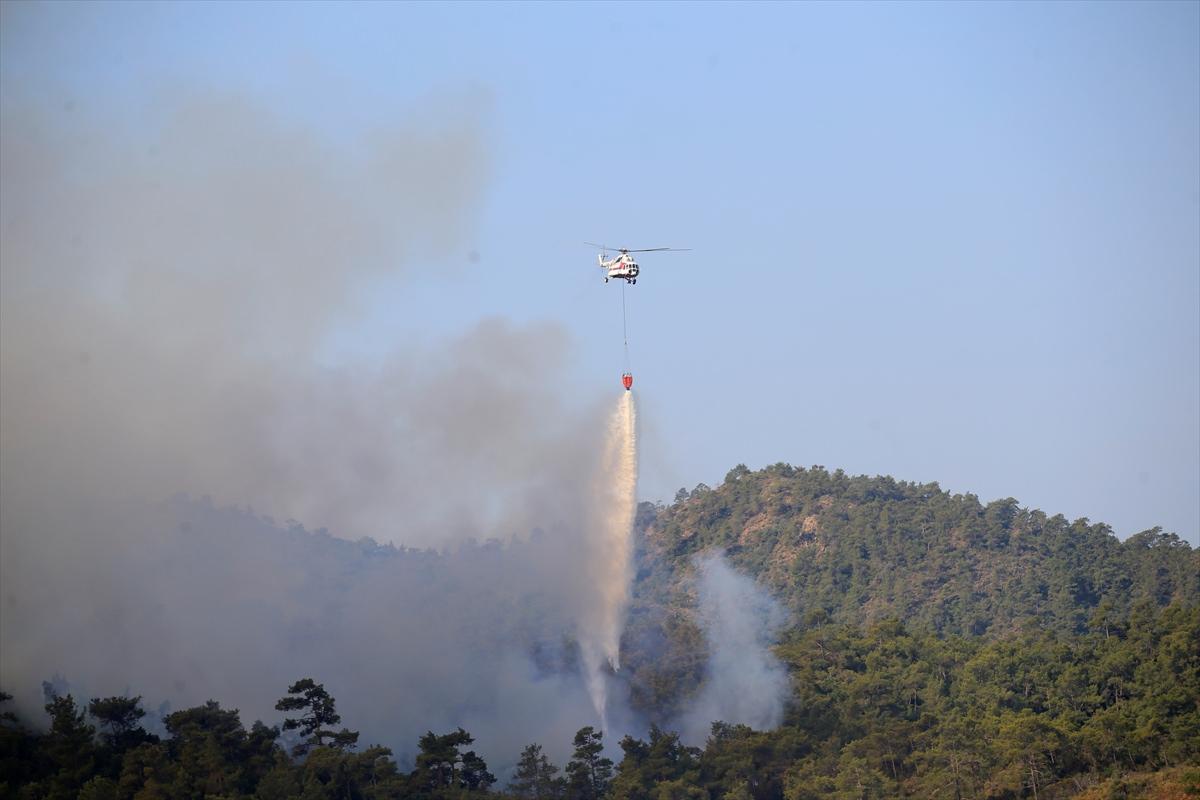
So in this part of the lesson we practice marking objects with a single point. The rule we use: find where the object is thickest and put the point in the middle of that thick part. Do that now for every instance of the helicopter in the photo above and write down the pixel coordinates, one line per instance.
(623, 265)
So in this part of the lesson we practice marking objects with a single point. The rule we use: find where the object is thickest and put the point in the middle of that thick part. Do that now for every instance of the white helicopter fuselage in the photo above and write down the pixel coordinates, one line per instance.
(622, 266)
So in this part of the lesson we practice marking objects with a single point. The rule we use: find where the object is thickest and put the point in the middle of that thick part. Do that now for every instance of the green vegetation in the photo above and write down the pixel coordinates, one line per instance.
(858, 549)
(310, 697)
(912, 714)
(938, 648)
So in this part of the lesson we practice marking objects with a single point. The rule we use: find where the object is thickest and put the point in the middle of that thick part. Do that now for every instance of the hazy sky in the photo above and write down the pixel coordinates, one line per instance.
(951, 242)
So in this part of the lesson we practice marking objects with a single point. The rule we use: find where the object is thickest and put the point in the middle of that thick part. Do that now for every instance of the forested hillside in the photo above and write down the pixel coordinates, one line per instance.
(935, 648)
(860, 549)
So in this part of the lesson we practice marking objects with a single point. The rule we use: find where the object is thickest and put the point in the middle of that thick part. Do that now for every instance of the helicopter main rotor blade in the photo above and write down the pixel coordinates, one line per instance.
(644, 250)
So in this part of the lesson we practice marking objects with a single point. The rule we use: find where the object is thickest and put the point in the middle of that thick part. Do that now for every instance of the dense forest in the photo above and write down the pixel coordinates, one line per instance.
(936, 647)
(860, 550)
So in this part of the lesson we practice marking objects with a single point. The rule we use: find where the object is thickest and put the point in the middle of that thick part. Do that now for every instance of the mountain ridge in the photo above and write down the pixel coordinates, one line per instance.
(860, 549)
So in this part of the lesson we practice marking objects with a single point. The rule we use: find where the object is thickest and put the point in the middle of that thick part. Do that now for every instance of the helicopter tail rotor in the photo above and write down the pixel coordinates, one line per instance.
(603, 249)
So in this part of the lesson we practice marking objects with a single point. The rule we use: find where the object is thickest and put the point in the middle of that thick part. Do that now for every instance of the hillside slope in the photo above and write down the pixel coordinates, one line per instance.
(860, 549)
(934, 647)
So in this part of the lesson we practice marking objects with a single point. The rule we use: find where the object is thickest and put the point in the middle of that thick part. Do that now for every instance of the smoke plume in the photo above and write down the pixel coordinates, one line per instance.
(165, 295)
(745, 684)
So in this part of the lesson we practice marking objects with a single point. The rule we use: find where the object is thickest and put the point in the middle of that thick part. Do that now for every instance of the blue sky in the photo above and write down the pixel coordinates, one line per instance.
(951, 242)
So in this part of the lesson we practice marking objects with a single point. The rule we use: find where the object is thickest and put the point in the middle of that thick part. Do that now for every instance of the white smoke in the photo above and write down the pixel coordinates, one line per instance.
(611, 555)
(746, 683)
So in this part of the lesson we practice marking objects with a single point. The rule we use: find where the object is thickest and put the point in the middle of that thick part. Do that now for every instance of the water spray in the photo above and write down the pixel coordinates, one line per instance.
(615, 501)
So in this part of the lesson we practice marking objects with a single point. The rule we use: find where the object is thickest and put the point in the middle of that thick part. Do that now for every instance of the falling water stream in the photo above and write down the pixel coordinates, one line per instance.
(615, 499)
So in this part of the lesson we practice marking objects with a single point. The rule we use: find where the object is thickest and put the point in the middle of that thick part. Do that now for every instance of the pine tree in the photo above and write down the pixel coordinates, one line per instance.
(589, 773)
(440, 765)
(309, 696)
(118, 717)
(535, 778)
(70, 746)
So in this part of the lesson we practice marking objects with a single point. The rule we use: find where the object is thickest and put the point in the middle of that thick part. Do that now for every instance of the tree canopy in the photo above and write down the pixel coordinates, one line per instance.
(937, 647)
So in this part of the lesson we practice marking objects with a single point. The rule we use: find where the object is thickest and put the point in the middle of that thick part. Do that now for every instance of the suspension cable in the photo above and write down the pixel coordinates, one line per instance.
(624, 325)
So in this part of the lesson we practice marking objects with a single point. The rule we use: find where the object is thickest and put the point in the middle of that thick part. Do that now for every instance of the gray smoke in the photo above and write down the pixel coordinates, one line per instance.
(184, 601)
(745, 684)
(165, 295)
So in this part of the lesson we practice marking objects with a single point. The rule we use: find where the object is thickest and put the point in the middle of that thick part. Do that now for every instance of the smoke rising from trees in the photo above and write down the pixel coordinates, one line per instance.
(164, 297)
(746, 684)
